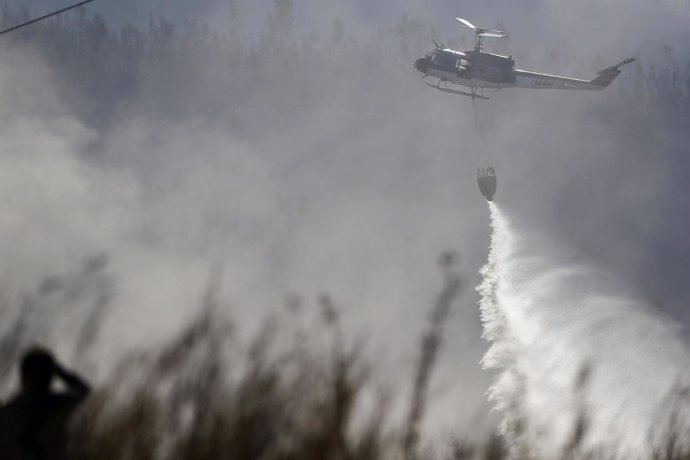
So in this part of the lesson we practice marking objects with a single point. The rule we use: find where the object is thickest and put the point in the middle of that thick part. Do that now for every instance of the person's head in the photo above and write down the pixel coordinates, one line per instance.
(37, 370)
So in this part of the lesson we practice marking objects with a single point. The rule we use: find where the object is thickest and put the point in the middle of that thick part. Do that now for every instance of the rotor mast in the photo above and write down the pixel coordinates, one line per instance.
(479, 43)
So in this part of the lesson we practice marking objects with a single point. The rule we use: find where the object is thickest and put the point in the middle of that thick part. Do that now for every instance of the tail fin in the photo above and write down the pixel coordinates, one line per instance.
(609, 74)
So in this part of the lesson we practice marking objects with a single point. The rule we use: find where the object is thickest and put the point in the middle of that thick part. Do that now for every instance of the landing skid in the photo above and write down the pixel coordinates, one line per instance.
(473, 94)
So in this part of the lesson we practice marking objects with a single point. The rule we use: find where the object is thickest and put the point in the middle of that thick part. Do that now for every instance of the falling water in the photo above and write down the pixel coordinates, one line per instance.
(582, 368)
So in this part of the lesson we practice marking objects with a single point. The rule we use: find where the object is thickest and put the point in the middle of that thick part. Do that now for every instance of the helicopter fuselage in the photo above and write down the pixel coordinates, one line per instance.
(478, 70)
(469, 68)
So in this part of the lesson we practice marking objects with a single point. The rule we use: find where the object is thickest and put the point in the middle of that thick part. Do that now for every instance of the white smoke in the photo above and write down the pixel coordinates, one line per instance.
(572, 348)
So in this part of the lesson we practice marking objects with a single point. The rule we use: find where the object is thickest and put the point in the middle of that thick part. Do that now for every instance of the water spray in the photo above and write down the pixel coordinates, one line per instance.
(582, 369)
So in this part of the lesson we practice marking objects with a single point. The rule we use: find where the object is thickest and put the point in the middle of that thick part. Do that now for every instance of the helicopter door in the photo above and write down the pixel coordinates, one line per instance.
(491, 74)
(463, 68)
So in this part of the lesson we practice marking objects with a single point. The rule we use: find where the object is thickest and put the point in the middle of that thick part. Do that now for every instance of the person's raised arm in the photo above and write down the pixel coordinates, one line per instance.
(76, 386)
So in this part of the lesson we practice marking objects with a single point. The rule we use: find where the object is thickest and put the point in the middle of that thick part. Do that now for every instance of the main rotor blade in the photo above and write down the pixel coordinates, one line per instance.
(492, 33)
(467, 23)
(41, 18)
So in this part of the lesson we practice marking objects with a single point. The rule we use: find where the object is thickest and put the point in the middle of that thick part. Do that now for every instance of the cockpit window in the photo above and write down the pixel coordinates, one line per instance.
(444, 59)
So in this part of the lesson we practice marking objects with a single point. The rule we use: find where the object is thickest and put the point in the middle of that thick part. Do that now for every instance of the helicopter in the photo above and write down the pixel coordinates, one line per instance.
(480, 70)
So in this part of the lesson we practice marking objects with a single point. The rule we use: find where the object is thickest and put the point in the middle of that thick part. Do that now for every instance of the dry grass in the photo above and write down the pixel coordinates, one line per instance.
(203, 396)
(188, 400)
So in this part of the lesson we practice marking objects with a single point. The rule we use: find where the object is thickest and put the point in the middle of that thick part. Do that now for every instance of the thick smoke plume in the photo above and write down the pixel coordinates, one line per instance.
(581, 365)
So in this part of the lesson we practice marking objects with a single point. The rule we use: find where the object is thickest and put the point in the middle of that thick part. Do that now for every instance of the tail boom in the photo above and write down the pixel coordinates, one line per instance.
(526, 79)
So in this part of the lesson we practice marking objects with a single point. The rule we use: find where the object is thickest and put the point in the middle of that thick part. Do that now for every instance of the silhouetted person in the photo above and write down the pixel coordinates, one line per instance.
(33, 424)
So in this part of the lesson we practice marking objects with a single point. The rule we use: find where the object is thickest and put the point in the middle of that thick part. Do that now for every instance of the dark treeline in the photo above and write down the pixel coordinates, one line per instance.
(230, 68)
